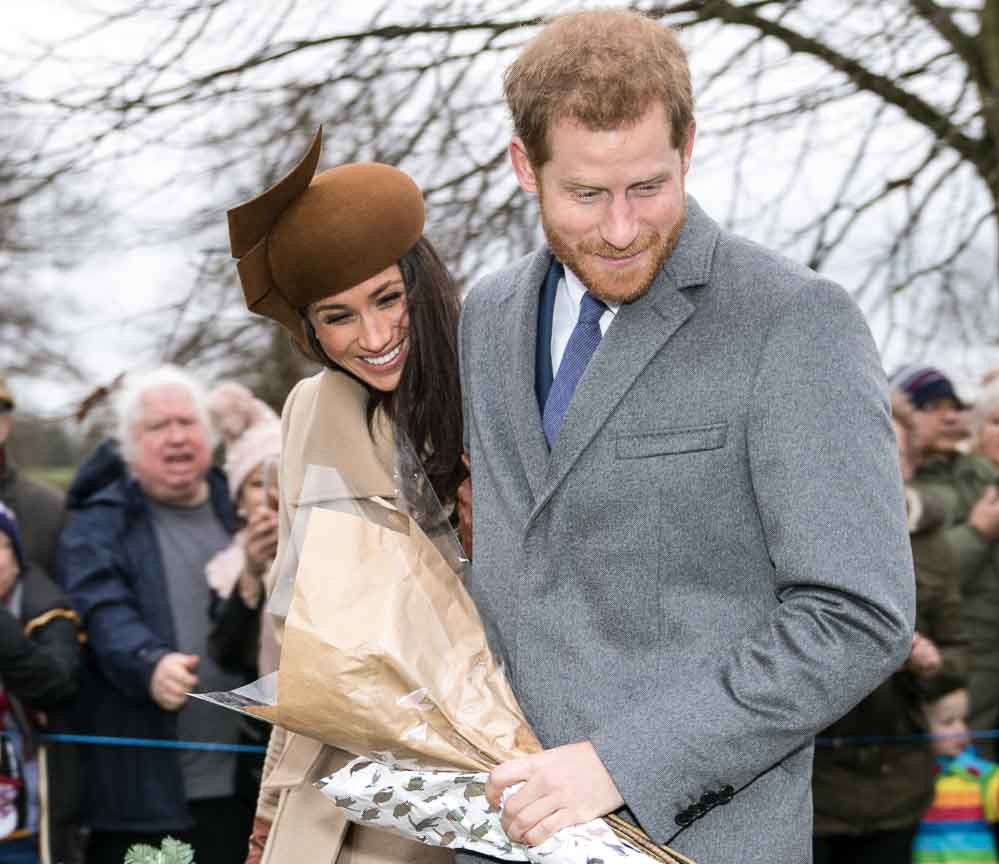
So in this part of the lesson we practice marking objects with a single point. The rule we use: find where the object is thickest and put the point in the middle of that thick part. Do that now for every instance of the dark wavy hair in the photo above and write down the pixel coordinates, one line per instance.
(426, 406)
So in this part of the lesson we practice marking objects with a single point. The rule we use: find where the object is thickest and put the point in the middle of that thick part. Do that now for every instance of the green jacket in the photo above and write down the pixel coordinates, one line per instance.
(860, 787)
(957, 483)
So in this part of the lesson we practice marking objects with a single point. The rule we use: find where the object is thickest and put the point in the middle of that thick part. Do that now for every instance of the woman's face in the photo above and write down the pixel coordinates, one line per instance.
(9, 569)
(988, 436)
(365, 329)
(252, 492)
(259, 489)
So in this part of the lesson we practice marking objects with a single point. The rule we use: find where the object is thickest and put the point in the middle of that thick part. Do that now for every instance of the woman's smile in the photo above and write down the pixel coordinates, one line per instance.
(387, 361)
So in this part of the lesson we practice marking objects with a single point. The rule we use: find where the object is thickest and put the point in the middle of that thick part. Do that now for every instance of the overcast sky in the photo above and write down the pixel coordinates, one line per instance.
(100, 304)
(120, 286)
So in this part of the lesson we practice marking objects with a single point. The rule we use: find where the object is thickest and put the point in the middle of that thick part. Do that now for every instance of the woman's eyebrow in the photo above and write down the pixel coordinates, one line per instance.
(391, 283)
(324, 307)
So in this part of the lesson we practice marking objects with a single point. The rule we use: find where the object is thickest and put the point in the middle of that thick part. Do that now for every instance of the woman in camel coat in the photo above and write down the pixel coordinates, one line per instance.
(340, 261)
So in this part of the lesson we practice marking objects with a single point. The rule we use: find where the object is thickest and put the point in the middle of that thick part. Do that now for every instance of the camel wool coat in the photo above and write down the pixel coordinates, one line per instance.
(324, 423)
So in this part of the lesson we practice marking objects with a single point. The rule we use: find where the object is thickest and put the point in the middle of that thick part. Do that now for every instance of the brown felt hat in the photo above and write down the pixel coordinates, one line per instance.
(311, 235)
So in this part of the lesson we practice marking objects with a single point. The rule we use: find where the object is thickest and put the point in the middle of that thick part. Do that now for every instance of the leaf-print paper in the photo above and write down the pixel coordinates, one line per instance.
(449, 808)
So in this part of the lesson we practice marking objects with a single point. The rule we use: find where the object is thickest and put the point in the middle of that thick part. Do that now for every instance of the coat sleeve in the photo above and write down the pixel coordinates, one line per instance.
(462, 360)
(971, 549)
(89, 570)
(234, 638)
(42, 669)
(286, 507)
(939, 601)
(824, 473)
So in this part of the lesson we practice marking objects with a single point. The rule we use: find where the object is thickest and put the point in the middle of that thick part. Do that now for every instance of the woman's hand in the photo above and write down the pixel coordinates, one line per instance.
(465, 509)
(261, 541)
(260, 547)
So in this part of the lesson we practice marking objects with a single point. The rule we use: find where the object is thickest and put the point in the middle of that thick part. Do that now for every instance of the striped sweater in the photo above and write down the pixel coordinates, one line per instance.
(955, 830)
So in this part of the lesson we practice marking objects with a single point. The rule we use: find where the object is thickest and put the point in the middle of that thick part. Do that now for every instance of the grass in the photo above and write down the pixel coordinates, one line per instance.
(59, 477)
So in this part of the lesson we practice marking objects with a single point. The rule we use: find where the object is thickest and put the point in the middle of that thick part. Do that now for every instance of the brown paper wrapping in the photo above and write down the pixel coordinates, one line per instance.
(384, 654)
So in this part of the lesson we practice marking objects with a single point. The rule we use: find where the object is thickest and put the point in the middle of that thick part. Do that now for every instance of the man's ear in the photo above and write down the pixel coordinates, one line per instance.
(522, 166)
(688, 148)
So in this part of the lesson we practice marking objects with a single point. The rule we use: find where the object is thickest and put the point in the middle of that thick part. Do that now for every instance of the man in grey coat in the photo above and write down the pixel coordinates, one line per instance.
(690, 543)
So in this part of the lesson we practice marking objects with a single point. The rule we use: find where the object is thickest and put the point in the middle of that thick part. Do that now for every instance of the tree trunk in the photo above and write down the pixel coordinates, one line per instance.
(988, 45)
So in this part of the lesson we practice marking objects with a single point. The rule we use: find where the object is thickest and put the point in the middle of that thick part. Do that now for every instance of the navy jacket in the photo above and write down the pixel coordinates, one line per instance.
(109, 563)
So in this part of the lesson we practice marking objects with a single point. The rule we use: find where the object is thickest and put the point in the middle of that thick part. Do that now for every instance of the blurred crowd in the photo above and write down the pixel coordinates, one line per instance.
(883, 788)
(145, 580)
(141, 584)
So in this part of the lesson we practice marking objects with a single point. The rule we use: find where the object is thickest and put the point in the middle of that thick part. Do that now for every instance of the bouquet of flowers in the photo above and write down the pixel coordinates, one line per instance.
(384, 655)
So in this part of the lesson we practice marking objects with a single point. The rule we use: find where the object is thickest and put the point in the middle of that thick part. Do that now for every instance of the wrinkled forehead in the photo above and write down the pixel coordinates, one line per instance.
(170, 402)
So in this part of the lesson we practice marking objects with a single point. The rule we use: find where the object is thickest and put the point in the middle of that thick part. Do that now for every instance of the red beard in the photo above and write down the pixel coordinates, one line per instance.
(626, 286)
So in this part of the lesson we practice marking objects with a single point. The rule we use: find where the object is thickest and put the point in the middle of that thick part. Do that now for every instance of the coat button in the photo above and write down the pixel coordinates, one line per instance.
(725, 794)
(684, 818)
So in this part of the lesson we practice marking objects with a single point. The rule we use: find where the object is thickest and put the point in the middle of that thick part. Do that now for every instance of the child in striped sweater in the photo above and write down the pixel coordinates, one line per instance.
(956, 829)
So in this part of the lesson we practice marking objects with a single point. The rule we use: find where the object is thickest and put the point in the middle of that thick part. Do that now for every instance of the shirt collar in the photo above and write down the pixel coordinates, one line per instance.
(576, 291)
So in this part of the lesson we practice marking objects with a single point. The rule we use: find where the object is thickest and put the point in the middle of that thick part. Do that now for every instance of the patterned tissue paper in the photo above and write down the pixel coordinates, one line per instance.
(449, 808)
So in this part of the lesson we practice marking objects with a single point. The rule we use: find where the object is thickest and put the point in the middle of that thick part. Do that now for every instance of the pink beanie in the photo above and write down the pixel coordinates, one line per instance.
(248, 427)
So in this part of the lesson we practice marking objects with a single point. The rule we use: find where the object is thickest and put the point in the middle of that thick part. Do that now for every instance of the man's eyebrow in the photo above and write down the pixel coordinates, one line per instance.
(578, 183)
(661, 177)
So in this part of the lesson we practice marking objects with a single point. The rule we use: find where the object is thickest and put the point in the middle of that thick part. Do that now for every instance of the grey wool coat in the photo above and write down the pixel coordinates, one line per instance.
(712, 564)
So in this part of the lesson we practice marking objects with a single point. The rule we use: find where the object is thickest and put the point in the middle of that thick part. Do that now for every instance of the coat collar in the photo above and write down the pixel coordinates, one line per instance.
(127, 493)
(638, 334)
(521, 347)
(690, 264)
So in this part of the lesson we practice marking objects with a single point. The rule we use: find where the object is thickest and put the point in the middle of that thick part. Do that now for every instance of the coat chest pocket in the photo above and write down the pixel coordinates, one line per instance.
(689, 439)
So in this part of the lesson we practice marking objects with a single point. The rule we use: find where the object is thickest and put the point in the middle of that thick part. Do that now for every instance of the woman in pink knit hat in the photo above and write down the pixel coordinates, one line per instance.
(251, 434)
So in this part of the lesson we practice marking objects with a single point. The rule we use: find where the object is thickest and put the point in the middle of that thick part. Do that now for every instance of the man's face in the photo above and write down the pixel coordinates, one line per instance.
(9, 569)
(171, 456)
(940, 427)
(906, 462)
(612, 202)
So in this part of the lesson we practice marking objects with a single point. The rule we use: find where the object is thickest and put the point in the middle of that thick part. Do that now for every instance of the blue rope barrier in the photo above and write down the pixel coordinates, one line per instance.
(860, 740)
(166, 744)
(157, 743)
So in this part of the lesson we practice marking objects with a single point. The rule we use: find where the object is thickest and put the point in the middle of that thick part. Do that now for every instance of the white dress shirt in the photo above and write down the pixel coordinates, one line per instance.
(568, 298)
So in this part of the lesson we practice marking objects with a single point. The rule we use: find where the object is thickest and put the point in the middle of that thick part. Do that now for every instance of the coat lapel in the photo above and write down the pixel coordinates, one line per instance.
(519, 345)
(637, 335)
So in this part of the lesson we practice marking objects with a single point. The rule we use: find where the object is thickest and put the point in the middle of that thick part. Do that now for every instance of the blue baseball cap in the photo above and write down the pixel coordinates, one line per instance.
(924, 385)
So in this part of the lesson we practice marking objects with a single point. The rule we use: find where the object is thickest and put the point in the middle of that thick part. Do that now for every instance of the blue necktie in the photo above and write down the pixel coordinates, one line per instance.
(579, 349)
